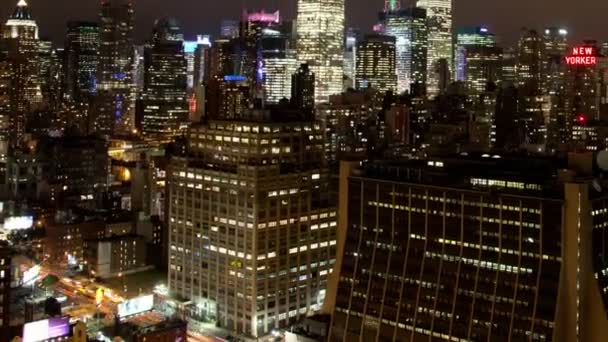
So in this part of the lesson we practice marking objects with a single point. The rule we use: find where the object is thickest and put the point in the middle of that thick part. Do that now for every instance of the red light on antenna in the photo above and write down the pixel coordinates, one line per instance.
(581, 119)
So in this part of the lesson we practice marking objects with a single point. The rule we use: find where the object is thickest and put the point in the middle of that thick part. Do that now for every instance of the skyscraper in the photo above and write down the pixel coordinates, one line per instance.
(530, 61)
(555, 41)
(320, 44)
(21, 41)
(251, 232)
(115, 98)
(483, 65)
(165, 102)
(529, 69)
(439, 21)
(274, 45)
(350, 57)
(376, 65)
(471, 248)
(303, 89)
(465, 37)
(409, 28)
(81, 60)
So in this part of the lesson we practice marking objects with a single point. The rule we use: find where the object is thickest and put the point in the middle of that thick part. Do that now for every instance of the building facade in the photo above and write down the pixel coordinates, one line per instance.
(320, 44)
(251, 228)
(440, 44)
(409, 28)
(471, 248)
(81, 61)
(165, 93)
(376, 63)
(465, 37)
(114, 105)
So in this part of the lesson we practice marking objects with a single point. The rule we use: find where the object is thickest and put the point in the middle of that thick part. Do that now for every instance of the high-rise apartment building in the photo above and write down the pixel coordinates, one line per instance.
(440, 40)
(252, 233)
(409, 28)
(376, 63)
(471, 248)
(115, 98)
(465, 37)
(320, 44)
(165, 94)
(81, 61)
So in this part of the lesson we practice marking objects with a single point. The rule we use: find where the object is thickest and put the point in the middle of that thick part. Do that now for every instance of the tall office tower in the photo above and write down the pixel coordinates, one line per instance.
(195, 59)
(229, 29)
(81, 61)
(509, 66)
(47, 57)
(409, 28)
(529, 70)
(555, 44)
(320, 44)
(483, 66)
(228, 97)
(440, 40)
(465, 37)
(471, 248)
(273, 47)
(115, 100)
(138, 70)
(251, 231)
(201, 56)
(217, 62)
(303, 89)
(376, 65)
(21, 41)
(529, 66)
(350, 57)
(279, 63)
(5, 288)
(165, 94)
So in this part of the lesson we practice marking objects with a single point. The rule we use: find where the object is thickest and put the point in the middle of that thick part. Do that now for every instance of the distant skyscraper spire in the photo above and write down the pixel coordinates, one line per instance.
(392, 5)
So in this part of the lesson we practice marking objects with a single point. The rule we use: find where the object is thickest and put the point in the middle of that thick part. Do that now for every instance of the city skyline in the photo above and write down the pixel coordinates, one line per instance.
(202, 18)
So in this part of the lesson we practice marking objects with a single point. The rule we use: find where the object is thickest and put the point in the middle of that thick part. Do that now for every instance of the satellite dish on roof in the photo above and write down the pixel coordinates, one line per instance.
(602, 160)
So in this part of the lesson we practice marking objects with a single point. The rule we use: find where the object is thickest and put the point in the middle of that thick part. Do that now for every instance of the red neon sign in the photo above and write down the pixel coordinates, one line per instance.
(582, 55)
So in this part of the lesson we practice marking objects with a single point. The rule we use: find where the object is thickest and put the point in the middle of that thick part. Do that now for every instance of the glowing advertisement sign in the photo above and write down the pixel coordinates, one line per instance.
(31, 275)
(265, 17)
(582, 55)
(18, 222)
(46, 329)
(135, 306)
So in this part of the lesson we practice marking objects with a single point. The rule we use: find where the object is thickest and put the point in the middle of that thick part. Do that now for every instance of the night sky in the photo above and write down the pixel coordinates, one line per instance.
(584, 18)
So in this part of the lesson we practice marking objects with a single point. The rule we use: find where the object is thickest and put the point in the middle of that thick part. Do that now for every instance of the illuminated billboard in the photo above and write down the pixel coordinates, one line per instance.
(18, 222)
(582, 55)
(135, 306)
(46, 329)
